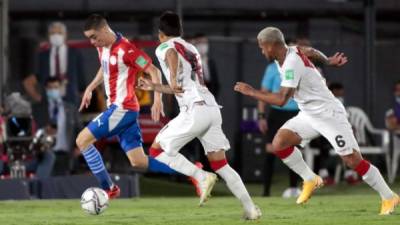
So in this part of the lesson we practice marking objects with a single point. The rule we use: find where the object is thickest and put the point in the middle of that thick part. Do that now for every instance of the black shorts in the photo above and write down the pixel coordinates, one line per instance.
(275, 120)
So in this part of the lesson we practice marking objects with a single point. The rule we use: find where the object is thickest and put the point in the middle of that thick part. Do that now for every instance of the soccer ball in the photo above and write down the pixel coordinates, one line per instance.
(94, 201)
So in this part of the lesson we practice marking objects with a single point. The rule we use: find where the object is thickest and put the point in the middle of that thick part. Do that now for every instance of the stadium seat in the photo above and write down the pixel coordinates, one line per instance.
(362, 126)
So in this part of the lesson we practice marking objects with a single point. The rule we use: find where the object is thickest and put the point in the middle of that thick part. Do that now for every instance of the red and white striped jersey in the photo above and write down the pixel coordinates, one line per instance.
(189, 74)
(121, 63)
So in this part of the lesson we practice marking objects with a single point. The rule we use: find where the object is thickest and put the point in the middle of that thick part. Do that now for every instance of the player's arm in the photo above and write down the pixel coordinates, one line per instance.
(279, 99)
(155, 75)
(148, 85)
(87, 95)
(172, 61)
(157, 107)
(338, 59)
(97, 80)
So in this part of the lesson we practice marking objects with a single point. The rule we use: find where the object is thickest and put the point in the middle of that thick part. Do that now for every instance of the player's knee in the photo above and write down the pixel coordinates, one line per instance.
(277, 145)
(139, 162)
(81, 142)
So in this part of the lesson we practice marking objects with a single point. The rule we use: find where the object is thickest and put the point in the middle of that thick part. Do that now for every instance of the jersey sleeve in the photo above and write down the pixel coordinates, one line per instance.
(267, 81)
(137, 58)
(162, 49)
(292, 71)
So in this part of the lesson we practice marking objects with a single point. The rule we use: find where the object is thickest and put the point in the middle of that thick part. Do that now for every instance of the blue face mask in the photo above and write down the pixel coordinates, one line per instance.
(53, 94)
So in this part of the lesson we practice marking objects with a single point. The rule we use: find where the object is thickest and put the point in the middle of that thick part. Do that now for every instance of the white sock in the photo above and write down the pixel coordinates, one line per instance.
(235, 184)
(296, 163)
(182, 165)
(374, 179)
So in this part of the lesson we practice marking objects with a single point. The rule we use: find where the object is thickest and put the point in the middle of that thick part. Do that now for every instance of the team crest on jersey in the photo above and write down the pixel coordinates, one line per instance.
(113, 60)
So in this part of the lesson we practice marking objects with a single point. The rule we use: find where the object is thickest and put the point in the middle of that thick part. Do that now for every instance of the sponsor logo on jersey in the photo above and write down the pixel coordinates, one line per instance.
(289, 75)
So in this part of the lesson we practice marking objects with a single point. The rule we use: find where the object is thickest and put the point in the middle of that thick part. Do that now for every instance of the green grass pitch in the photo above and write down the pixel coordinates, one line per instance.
(357, 209)
(341, 204)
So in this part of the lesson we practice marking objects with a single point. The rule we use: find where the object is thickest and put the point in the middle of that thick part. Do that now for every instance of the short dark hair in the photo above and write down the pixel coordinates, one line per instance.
(170, 24)
(52, 80)
(335, 86)
(95, 21)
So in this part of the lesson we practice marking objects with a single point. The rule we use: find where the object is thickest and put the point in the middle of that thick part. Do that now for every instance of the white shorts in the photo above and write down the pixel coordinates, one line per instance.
(332, 123)
(202, 122)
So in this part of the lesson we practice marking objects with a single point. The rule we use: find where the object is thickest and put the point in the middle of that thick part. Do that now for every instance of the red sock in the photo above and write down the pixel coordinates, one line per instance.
(154, 152)
(216, 165)
(362, 168)
(282, 154)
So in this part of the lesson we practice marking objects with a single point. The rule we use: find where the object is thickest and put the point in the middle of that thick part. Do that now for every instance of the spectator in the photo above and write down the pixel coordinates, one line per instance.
(60, 61)
(393, 115)
(64, 125)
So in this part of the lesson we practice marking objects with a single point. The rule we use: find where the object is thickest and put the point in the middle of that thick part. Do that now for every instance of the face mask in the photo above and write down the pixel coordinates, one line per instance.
(57, 39)
(53, 94)
(397, 99)
(202, 48)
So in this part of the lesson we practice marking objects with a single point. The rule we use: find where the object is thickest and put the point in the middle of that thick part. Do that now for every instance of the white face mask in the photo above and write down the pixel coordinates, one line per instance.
(53, 94)
(57, 40)
(202, 48)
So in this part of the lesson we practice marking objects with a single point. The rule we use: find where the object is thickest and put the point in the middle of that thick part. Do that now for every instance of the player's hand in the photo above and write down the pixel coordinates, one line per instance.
(338, 59)
(244, 88)
(87, 96)
(145, 84)
(178, 90)
(156, 110)
(262, 125)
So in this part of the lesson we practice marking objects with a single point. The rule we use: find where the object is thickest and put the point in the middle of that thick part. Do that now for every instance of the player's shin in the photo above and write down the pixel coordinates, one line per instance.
(156, 165)
(96, 165)
(234, 182)
(176, 163)
(294, 160)
(371, 175)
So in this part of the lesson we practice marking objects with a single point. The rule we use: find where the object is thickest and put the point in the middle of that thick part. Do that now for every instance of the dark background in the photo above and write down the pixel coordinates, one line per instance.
(232, 25)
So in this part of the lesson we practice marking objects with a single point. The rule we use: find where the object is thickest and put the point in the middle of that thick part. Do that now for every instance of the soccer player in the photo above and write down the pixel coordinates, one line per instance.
(320, 114)
(120, 62)
(199, 116)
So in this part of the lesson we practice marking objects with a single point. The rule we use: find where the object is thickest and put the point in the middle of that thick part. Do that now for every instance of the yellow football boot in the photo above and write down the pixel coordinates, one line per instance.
(388, 206)
(308, 189)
